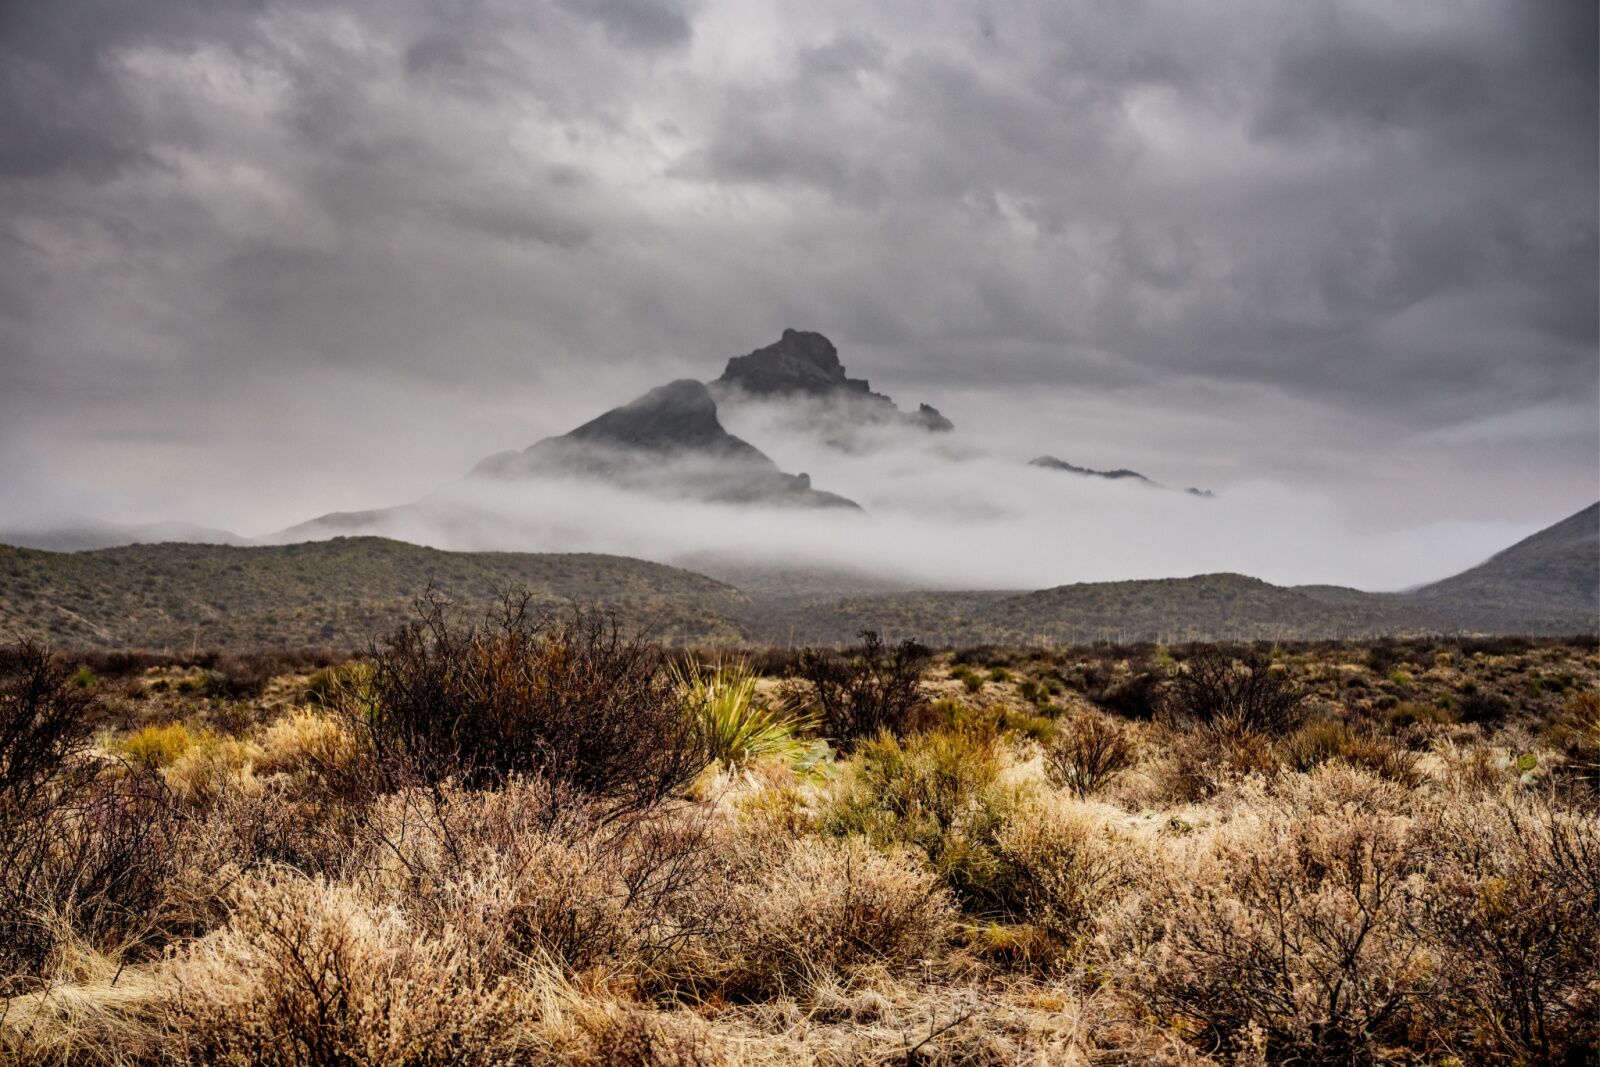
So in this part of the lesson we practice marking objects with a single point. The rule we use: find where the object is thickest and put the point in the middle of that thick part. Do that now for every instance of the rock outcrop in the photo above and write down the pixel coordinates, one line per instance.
(805, 365)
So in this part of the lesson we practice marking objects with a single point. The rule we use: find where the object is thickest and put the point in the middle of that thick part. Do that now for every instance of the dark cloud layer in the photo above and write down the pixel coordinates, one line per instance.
(263, 259)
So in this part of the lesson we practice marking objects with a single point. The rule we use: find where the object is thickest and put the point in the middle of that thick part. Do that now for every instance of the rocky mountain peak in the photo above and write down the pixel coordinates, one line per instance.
(804, 363)
(799, 361)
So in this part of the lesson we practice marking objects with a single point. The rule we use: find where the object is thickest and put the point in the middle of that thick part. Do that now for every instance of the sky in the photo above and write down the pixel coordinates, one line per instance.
(1338, 260)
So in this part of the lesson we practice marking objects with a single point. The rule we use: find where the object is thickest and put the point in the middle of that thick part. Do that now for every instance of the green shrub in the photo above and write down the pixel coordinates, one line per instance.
(737, 724)
(157, 746)
(937, 792)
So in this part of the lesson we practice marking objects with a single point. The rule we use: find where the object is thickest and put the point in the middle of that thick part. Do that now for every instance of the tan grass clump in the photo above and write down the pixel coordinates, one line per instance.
(307, 972)
(813, 909)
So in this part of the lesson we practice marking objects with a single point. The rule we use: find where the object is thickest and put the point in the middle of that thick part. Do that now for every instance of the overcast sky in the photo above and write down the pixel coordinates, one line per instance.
(260, 261)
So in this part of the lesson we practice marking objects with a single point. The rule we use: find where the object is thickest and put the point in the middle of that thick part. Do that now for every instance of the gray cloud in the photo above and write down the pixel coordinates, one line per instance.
(260, 260)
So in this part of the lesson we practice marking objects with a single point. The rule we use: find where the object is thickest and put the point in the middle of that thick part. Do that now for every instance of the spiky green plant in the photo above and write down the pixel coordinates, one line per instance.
(740, 725)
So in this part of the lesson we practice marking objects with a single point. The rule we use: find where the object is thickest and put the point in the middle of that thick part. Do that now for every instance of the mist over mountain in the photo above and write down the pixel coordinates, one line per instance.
(1054, 464)
(698, 474)
(787, 474)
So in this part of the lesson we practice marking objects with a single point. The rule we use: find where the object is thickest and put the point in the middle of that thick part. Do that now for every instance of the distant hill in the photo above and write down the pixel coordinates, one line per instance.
(338, 593)
(341, 593)
(78, 534)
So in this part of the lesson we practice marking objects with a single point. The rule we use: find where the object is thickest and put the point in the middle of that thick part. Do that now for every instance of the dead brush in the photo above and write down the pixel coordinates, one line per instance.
(1513, 915)
(1239, 694)
(1328, 740)
(1063, 869)
(1294, 932)
(1088, 753)
(537, 869)
(811, 909)
(569, 697)
(867, 690)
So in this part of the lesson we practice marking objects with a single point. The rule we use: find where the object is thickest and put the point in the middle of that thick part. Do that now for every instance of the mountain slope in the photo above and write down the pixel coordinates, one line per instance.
(667, 442)
(340, 593)
(1546, 584)
(1557, 568)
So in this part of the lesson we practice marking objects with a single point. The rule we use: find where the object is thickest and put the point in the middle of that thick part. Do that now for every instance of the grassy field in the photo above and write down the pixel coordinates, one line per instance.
(537, 842)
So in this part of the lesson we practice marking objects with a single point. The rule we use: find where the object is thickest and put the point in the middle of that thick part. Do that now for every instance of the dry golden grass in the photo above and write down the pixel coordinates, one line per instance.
(1379, 886)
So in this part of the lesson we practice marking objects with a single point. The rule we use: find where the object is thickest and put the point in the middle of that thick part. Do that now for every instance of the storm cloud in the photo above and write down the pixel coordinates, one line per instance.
(262, 260)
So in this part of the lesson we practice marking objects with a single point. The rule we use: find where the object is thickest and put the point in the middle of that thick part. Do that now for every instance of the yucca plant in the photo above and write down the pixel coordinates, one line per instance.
(739, 725)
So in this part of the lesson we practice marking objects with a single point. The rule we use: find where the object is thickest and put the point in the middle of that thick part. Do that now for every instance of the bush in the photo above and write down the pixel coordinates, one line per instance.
(1294, 937)
(1328, 740)
(95, 866)
(1514, 906)
(45, 720)
(869, 690)
(1577, 730)
(85, 851)
(239, 677)
(1138, 696)
(821, 908)
(1087, 753)
(1483, 708)
(1243, 696)
(308, 973)
(1061, 870)
(938, 792)
(158, 745)
(570, 698)
(534, 870)
(970, 679)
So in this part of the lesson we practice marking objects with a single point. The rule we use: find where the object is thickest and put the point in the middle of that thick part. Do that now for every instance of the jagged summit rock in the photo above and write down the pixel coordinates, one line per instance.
(805, 364)
(798, 362)
(667, 442)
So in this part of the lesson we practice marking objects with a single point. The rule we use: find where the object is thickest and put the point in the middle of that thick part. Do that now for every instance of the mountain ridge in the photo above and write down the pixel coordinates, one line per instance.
(351, 589)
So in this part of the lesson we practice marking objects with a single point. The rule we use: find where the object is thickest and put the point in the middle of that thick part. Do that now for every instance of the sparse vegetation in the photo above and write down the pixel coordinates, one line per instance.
(866, 690)
(526, 838)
